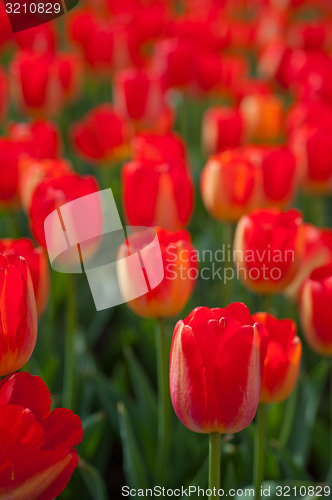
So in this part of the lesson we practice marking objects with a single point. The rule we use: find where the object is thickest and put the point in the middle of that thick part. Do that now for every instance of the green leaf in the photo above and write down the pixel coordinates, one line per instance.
(143, 389)
(134, 466)
(94, 481)
(93, 427)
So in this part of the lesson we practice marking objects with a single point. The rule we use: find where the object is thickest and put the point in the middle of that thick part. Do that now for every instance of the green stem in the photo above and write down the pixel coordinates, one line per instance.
(214, 463)
(288, 419)
(266, 303)
(164, 400)
(259, 450)
(69, 364)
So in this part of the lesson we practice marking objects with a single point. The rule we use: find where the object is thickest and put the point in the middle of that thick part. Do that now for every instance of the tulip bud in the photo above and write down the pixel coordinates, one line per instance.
(18, 314)
(37, 263)
(268, 246)
(157, 193)
(316, 310)
(230, 186)
(283, 358)
(221, 129)
(216, 365)
(180, 273)
(263, 117)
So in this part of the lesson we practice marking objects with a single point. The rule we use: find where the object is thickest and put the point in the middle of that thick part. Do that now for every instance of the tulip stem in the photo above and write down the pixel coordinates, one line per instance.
(214, 463)
(259, 450)
(69, 363)
(164, 400)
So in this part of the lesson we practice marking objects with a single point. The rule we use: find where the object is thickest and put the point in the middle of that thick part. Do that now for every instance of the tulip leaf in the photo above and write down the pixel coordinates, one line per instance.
(134, 466)
(93, 428)
(310, 391)
(94, 481)
(144, 392)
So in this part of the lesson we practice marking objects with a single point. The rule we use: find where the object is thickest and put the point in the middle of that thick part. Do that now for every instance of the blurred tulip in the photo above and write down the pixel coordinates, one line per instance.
(18, 314)
(32, 172)
(312, 113)
(230, 186)
(38, 139)
(208, 71)
(149, 146)
(102, 135)
(37, 264)
(180, 274)
(279, 177)
(10, 154)
(268, 247)
(138, 96)
(317, 251)
(283, 358)
(316, 310)
(43, 84)
(37, 457)
(222, 128)
(312, 147)
(41, 39)
(263, 117)
(157, 193)
(216, 365)
(51, 194)
(173, 60)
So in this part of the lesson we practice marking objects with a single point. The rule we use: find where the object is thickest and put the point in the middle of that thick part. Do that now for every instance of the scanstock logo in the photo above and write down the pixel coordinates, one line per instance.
(26, 14)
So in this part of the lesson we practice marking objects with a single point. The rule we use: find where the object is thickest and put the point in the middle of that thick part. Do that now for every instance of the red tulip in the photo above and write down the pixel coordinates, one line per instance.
(157, 193)
(45, 83)
(33, 172)
(222, 128)
(230, 186)
(41, 39)
(313, 149)
(216, 365)
(18, 314)
(180, 273)
(208, 71)
(10, 154)
(283, 358)
(148, 146)
(172, 59)
(102, 135)
(268, 246)
(39, 139)
(316, 310)
(37, 263)
(37, 457)
(279, 176)
(312, 113)
(138, 96)
(51, 194)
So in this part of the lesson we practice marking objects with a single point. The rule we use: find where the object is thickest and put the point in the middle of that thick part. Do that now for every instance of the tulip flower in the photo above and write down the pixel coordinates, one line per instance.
(263, 117)
(51, 194)
(38, 139)
(157, 193)
(102, 135)
(230, 186)
(44, 83)
(138, 96)
(148, 146)
(316, 310)
(208, 71)
(216, 366)
(268, 247)
(180, 274)
(37, 264)
(313, 113)
(317, 252)
(10, 154)
(279, 176)
(222, 128)
(33, 172)
(18, 314)
(37, 454)
(172, 59)
(312, 147)
(283, 358)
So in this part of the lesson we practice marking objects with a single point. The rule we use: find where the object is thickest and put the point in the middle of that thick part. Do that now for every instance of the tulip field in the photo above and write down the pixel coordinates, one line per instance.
(166, 249)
